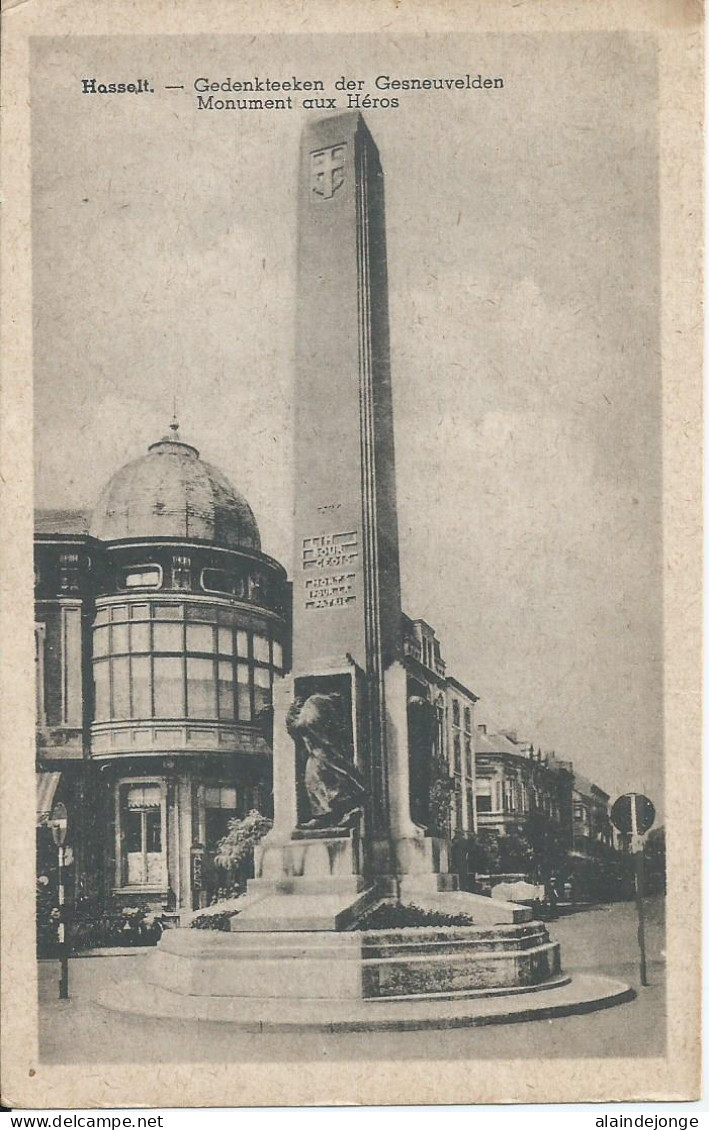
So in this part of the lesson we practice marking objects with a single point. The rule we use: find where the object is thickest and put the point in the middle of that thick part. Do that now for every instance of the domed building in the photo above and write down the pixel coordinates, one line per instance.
(160, 628)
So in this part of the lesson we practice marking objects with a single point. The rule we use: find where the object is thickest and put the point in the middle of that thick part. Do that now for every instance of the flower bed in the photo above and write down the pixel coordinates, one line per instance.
(132, 926)
(397, 916)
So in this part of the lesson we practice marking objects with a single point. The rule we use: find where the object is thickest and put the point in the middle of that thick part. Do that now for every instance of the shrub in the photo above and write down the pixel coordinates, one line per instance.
(221, 921)
(235, 850)
(132, 926)
(398, 916)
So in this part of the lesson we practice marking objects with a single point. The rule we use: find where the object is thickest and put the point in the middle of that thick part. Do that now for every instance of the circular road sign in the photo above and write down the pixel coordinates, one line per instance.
(58, 823)
(622, 813)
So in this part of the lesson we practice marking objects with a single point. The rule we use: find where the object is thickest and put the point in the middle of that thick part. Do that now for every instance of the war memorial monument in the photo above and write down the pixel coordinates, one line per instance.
(298, 952)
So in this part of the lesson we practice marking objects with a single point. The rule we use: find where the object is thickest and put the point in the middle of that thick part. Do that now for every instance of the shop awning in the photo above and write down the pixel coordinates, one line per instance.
(47, 784)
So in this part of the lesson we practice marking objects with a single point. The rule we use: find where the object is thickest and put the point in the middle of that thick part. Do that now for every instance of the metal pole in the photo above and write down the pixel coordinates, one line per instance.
(639, 887)
(63, 938)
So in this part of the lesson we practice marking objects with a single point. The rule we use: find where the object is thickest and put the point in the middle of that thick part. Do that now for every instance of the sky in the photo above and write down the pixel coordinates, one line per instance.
(523, 243)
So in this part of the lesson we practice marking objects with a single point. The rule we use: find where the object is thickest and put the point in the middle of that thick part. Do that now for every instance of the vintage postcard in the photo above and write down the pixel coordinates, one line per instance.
(351, 455)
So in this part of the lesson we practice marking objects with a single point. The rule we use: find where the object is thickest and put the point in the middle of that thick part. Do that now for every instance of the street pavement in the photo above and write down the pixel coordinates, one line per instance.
(602, 940)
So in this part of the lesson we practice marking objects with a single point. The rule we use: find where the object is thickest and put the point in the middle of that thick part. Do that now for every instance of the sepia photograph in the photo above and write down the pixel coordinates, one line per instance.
(350, 664)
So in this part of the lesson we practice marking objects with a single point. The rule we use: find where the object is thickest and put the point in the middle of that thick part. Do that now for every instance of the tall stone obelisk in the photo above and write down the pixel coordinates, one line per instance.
(342, 829)
(346, 596)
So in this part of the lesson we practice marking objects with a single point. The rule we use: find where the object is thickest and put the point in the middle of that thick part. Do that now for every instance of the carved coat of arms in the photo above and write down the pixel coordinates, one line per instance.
(327, 171)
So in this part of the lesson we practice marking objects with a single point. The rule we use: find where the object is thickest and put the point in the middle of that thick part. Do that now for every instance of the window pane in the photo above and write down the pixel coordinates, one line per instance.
(223, 796)
(153, 830)
(101, 641)
(201, 689)
(119, 638)
(169, 687)
(140, 685)
(216, 580)
(262, 688)
(143, 796)
(228, 797)
(119, 679)
(456, 753)
(132, 829)
(469, 758)
(119, 612)
(226, 641)
(168, 611)
(103, 705)
(181, 573)
(216, 826)
(140, 637)
(262, 651)
(277, 655)
(101, 616)
(200, 637)
(140, 612)
(167, 637)
(226, 689)
(242, 643)
(243, 692)
(142, 579)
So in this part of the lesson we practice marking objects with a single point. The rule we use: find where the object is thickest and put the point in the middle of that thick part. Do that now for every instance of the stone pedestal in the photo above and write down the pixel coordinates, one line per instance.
(354, 965)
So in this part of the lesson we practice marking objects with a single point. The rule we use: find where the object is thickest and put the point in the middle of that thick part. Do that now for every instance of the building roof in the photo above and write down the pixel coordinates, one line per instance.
(496, 743)
(461, 688)
(62, 521)
(172, 493)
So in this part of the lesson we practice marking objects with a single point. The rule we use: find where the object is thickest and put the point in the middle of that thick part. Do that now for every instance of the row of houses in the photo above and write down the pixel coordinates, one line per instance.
(502, 786)
(160, 628)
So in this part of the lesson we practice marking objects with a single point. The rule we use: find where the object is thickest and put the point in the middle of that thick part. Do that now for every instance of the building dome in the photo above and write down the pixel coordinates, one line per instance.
(172, 493)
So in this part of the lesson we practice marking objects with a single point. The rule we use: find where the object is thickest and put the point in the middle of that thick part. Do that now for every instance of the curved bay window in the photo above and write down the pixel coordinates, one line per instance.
(154, 660)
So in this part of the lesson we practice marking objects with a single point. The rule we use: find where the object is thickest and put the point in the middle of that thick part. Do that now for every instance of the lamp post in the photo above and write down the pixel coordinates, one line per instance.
(59, 824)
(633, 814)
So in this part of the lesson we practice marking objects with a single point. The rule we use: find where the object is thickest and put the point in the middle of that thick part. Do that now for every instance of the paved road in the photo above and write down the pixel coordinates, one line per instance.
(602, 939)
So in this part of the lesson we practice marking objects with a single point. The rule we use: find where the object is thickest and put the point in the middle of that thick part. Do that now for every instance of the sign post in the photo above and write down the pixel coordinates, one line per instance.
(59, 823)
(633, 814)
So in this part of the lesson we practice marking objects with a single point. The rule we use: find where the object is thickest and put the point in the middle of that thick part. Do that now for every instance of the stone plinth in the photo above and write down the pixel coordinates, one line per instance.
(324, 857)
(354, 965)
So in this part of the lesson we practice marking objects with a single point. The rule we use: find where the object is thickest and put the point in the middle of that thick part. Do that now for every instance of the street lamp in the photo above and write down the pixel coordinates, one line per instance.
(59, 823)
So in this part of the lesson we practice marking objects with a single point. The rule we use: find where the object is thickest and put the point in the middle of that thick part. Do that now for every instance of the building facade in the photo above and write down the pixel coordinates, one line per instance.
(443, 763)
(460, 725)
(160, 627)
(524, 796)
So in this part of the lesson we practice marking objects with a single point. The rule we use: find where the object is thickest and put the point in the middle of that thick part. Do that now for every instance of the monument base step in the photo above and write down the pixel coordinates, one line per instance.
(584, 993)
(319, 906)
(353, 965)
(300, 904)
